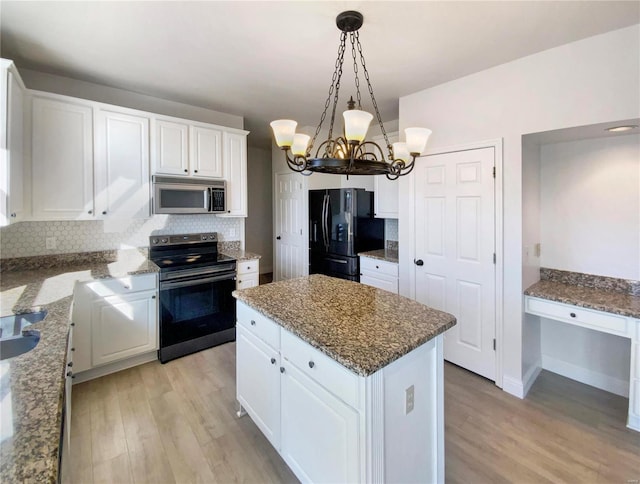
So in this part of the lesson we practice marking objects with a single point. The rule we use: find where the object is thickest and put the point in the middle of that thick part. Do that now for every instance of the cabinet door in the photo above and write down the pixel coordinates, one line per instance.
(320, 434)
(235, 173)
(62, 160)
(171, 151)
(248, 280)
(206, 152)
(385, 200)
(258, 383)
(122, 165)
(15, 148)
(389, 284)
(123, 326)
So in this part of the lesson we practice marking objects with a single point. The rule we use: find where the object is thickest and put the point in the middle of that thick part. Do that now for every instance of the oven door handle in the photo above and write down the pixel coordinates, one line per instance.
(166, 285)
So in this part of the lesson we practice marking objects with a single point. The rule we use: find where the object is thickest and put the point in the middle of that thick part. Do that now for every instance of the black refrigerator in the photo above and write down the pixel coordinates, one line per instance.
(341, 224)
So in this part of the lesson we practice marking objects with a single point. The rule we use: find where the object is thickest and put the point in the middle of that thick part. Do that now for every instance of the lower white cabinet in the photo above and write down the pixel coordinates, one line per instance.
(330, 424)
(320, 433)
(248, 273)
(65, 458)
(379, 273)
(114, 320)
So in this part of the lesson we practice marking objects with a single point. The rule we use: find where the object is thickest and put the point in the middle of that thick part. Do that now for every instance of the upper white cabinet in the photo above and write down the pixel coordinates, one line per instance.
(62, 160)
(385, 201)
(187, 149)
(171, 148)
(122, 165)
(235, 173)
(12, 97)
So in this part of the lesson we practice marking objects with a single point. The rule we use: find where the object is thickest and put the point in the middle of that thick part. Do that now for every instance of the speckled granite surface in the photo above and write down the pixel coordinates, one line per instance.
(32, 384)
(590, 280)
(228, 245)
(587, 297)
(359, 326)
(392, 245)
(239, 254)
(381, 254)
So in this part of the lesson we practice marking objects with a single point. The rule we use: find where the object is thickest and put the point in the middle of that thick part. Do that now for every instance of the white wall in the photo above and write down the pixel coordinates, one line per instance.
(258, 225)
(586, 82)
(590, 203)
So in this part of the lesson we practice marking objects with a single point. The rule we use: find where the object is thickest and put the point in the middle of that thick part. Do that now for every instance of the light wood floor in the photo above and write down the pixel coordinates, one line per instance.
(176, 423)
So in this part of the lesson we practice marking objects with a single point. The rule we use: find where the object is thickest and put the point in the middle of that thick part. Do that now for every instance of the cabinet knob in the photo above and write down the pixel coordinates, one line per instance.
(278, 237)
(73, 349)
(311, 364)
(70, 364)
(273, 361)
(104, 212)
(70, 373)
(195, 171)
(377, 267)
(90, 212)
(14, 215)
(127, 287)
(228, 211)
(186, 171)
(72, 324)
(253, 323)
(282, 369)
(153, 297)
(239, 282)
(573, 315)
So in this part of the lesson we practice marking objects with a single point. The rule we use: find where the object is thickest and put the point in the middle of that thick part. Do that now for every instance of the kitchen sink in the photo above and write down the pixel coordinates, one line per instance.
(17, 345)
(14, 324)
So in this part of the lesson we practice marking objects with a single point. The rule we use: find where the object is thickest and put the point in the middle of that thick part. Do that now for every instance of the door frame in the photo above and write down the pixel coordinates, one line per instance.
(407, 236)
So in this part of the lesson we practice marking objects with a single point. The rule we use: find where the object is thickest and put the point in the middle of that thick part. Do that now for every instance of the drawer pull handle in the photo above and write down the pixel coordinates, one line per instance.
(282, 369)
(253, 323)
(70, 364)
(127, 287)
(311, 364)
(377, 267)
(573, 315)
(273, 361)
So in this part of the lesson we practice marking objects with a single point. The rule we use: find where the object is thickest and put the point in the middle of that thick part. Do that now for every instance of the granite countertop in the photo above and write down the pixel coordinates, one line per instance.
(587, 297)
(32, 384)
(240, 255)
(359, 326)
(388, 255)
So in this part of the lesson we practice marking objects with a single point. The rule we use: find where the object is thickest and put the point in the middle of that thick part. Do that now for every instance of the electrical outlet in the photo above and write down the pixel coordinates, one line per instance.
(233, 232)
(409, 400)
(51, 243)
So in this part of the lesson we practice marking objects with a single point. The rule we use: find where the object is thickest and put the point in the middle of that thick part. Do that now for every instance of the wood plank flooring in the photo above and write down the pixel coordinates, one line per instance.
(176, 423)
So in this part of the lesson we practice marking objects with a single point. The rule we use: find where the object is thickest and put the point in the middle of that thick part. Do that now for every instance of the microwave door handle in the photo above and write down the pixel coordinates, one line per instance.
(208, 199)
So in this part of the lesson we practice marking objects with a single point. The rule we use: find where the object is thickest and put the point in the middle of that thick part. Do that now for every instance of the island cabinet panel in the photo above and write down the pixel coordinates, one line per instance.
(320, 433)
(258, 385)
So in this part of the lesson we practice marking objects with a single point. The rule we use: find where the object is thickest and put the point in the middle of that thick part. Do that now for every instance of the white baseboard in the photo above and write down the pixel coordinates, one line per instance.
(586, 376)
(530, 377)
(114, 367)
(513, 386)
(633, 422)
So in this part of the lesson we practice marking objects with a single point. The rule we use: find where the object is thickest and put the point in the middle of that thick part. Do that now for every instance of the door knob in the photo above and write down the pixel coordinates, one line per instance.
(418, 262)
(278, 237)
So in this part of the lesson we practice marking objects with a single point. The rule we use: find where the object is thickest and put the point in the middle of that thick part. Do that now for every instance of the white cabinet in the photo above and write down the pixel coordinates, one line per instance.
(12, 101)
(65, 441)
(187, 149)
(62, 160)
(379, 273)
(320, 433)
(258, 385)
(115, 319)
(248, 274)
(385, 201)
(235, 173)
(122, 165)
(171, 148)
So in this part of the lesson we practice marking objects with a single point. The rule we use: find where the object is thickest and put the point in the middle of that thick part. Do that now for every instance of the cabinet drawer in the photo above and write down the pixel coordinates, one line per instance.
(247, 267)
(380, 281)
(258, 325)
(378, 266)
(600, 321)
(123, 285)
(334, 377)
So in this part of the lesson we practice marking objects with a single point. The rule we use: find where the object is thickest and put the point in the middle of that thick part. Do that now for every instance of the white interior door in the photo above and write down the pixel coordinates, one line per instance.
(289, 219)
(455, 240)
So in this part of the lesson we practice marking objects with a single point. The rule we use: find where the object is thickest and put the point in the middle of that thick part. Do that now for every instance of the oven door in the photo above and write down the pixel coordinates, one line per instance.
(197, 308)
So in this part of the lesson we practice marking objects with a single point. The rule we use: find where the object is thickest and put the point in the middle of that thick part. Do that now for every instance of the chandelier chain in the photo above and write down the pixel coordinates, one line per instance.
(355, 69)
(373, 98)
(337, 73)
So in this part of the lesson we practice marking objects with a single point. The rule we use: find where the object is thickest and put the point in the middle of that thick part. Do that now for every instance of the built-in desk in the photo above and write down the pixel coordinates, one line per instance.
(605, 311)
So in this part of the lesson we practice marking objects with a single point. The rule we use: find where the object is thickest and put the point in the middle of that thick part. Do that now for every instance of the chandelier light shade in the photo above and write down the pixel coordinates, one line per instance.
(350, 153)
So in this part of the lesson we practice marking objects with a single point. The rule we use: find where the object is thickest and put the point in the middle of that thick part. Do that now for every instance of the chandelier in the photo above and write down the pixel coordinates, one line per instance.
(349, 154)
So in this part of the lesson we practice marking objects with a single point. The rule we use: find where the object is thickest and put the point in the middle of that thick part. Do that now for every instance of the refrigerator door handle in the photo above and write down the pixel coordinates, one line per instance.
(339, 261)
(325, 222)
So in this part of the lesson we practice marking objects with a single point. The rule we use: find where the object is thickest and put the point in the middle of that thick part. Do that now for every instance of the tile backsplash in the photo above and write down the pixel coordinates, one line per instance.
(391, 229)
(25, 239)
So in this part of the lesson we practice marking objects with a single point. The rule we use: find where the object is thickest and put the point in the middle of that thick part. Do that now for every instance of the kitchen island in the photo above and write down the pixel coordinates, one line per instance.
(345, 380)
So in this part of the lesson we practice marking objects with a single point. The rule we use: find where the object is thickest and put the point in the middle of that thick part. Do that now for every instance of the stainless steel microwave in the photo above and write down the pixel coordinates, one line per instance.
(189, 195)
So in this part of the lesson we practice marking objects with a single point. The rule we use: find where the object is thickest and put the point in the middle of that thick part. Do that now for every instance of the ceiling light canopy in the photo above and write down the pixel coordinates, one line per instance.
(349, 154)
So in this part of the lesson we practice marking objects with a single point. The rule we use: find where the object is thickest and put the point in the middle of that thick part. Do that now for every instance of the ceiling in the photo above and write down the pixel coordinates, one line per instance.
(266, 60)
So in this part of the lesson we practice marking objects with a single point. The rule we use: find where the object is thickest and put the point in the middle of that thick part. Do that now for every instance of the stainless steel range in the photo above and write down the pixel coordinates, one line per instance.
(197, 310)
